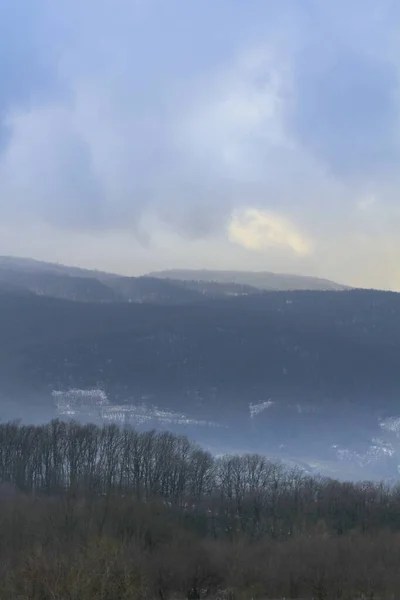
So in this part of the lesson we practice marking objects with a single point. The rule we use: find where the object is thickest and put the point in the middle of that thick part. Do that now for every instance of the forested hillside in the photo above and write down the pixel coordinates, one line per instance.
(108, 514)
(320, 369)
(328, 343)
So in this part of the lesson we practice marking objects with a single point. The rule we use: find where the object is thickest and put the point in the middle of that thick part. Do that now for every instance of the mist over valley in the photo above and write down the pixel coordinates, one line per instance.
(308, 376)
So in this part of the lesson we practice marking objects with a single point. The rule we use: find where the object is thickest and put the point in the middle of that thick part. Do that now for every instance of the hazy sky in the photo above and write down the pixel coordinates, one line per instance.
(147, 134)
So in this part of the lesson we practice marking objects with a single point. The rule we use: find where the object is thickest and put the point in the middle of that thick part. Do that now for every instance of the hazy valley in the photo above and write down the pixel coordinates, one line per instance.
(309, 376)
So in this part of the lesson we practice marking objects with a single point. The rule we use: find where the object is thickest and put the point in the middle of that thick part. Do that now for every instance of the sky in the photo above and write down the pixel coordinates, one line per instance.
(143, 135)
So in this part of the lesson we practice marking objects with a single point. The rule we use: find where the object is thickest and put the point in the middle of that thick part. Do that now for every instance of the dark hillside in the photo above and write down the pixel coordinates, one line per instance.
(321, 369)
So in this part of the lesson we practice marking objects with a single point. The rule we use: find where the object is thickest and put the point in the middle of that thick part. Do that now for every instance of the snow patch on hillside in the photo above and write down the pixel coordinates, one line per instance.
(377, 450)
(94, 405)
(256, 409)
(391, 424)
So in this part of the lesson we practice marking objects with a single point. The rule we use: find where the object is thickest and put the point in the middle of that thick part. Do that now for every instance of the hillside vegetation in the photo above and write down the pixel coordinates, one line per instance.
(111, 514)
(325, 342)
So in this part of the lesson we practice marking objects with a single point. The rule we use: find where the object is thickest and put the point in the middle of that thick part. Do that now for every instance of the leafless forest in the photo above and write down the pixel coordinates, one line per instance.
(108, 513)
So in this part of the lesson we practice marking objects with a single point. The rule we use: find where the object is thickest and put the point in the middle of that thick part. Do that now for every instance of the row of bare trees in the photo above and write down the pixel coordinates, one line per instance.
(225, 497)
(70, 547)
(101, 512)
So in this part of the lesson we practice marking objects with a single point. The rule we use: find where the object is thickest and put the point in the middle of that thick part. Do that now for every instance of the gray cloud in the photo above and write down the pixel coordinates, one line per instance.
(345, 113)
(160, 121)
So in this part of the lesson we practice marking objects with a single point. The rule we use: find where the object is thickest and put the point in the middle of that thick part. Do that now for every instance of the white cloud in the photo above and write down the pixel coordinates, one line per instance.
(234, 113)
(365, 203)
(149, 121)
(260, 230)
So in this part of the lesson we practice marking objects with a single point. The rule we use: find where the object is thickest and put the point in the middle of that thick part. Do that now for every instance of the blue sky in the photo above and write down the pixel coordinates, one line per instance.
(145, 134)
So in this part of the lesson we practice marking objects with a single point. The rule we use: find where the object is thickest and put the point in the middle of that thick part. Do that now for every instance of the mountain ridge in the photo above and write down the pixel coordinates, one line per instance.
(263, 280)
(75, 283)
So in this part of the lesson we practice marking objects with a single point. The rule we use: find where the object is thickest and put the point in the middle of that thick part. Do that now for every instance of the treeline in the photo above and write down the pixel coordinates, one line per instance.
(223, 497)
(104, 513)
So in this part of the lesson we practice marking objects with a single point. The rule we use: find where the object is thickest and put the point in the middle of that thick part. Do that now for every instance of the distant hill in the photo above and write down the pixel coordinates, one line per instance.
(315, 343)
(263, 280)
(73, 283)
(32, 266)
(84, 285)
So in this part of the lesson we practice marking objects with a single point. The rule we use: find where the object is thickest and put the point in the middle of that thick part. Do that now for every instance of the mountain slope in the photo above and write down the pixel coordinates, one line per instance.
(72, 283)
(175, 286)
(263, 280)
(319, 341)
(306, 375)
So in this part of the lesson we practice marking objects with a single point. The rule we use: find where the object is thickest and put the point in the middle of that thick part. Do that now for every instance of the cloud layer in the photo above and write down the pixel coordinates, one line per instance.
(259, 231)
(141, 135)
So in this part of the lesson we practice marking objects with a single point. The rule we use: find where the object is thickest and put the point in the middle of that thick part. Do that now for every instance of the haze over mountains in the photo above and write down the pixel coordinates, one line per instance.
(310, 376)
(74, 283)
(262, 280)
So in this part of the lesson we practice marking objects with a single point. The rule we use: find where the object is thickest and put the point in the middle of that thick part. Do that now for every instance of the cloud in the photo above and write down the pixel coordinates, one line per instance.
(238, 114)
(156, 123)
(366, 203)
(261, 230)
(346, 111)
